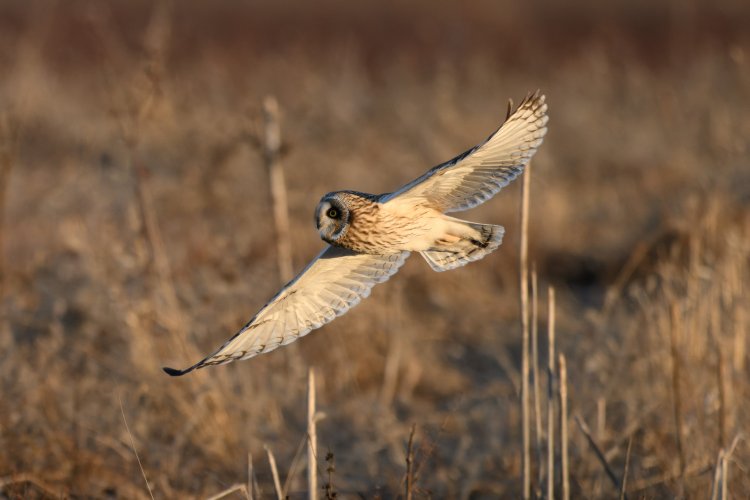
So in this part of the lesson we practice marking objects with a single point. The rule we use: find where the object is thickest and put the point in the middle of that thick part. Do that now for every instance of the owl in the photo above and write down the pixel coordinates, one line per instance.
(370, 236)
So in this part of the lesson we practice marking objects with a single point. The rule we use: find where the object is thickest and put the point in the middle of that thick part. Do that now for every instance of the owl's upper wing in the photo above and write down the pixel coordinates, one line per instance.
(335, 281)
(476, 175)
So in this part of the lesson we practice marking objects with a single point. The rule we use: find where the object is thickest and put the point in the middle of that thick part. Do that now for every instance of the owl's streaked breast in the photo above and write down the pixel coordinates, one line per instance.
(386, 228)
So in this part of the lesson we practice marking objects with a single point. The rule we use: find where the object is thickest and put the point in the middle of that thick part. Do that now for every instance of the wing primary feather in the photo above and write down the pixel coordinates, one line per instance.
(451, 186)
(330, 285)
(173, 372)
(510, 109)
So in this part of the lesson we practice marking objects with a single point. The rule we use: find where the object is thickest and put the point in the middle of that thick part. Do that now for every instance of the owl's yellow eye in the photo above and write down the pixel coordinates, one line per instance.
(332, 213)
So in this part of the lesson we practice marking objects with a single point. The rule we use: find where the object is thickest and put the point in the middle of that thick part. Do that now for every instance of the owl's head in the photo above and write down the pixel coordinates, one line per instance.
(332, 218)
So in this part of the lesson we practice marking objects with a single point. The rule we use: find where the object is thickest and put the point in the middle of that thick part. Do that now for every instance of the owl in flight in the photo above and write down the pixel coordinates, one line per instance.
(370, 236)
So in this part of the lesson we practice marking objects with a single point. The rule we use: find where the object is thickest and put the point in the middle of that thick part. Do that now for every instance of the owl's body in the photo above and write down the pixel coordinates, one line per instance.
(370, 236)
(365, 223)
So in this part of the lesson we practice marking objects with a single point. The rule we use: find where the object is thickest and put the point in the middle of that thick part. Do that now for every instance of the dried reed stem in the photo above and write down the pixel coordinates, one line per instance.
(271, 154)
(535, 375)
(601, 417)
(716, 484)
(624, 484)
(312, 442)
(739, 347)
(250, 476)
(719, 486)
(295, 465)
(274, 473)
(676, 399)
(232, 489)
(9, 138)
(410, 463)
(135, 451)
(524, 296)
(330, 469)
(551, 393)
(722, 417)
(564, 428)
(598, 452)
(395, 348)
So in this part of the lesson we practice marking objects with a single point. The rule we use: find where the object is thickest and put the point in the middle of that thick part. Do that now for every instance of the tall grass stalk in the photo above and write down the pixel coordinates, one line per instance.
(271, 154)
(538, 435)
(674, 327)
(598, 452)
(624, 482)
(551, 393)
(564, 428)
(275, 474)
(135, 451)
(9, 137)
(524, 296)
(410, 464)
(250, 477)
(312, 439)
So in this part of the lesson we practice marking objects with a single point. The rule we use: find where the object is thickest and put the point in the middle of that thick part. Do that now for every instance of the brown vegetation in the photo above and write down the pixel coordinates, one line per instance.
(137, 231)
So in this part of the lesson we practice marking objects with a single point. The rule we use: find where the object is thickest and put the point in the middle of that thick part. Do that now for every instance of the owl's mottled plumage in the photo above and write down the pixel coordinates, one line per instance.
(370, 236)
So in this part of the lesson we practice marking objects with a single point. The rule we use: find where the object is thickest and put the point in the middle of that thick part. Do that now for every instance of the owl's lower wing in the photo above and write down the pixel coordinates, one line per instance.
(328, 287)
(478, 174)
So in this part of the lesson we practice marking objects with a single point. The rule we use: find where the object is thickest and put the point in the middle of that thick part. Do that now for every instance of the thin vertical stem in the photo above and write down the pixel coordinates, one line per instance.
(598, 452)
(676, 399)
(716, 484)
(395, 349)
(716, 315)
(410, 463)
(719, 484)
(564, 428)
(135, 451)
(739, 347)
(601, 417)
(250, 476)
(271, 150)
(722, 395)
(312, 439)
(535, 376)
(329, 488)
(9, 138)
(624, 484)
(524, 296)
(551, 394)
(275, 474)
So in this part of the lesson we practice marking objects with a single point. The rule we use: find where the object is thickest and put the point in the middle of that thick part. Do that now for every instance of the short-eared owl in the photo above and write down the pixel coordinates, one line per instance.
(370, 236)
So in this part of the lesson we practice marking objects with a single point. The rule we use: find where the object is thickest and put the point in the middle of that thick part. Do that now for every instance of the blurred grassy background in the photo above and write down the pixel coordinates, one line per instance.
(640, 217)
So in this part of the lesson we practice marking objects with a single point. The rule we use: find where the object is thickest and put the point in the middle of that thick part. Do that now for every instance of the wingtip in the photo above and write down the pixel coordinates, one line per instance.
(173, 372)
(535, 98)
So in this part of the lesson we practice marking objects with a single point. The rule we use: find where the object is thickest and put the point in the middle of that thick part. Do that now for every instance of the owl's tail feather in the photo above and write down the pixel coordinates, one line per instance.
(485, 240)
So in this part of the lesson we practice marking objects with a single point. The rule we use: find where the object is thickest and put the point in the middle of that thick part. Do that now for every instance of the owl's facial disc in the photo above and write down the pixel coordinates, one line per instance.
(331, 218)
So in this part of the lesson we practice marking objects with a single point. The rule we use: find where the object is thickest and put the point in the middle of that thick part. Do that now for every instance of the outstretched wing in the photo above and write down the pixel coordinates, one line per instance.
(476, 175)
(328, 287)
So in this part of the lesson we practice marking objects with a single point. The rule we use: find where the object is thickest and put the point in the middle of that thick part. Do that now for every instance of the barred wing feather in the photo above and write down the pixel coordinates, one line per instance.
(328, 287)
(476, 175)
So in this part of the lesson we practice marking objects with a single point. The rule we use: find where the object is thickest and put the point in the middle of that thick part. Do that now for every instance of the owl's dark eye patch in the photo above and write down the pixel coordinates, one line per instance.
(332, 213)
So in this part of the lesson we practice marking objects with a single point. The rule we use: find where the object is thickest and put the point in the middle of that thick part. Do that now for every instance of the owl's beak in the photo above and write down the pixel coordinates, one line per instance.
(317, 217)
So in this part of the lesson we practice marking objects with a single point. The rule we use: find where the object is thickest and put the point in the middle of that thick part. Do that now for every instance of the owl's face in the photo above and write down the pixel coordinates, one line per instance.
(331, 218)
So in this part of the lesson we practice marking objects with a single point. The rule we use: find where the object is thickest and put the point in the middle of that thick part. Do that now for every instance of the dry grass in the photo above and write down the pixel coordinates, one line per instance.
(137, 215)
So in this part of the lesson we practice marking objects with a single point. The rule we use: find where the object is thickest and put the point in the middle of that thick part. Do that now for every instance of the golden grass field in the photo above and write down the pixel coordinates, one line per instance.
(137, 231)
